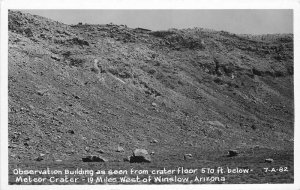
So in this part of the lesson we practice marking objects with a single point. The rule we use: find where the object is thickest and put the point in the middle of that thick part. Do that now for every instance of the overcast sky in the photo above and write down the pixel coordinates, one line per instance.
(245, 21)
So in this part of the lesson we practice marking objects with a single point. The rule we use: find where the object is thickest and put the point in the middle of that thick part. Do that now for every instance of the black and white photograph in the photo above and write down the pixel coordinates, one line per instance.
(157, 97)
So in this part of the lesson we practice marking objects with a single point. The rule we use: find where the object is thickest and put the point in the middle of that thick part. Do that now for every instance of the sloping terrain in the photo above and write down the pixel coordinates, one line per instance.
(171, 92)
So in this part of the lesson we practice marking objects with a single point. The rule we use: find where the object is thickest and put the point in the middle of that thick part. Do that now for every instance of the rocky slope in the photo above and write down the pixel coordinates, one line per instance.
(171, 92)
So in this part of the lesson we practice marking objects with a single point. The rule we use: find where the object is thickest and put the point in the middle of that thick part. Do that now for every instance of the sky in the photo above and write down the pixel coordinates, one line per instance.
(239, 21)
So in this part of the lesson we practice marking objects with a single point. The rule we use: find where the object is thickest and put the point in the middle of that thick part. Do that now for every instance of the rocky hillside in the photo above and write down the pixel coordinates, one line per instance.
(77, 90)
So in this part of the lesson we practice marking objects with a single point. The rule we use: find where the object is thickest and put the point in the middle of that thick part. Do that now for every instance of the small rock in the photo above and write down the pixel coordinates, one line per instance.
(71, 131)
(87, 149)
(94, 158)
(120, 149)
(41, 154)
(269, 160)
(39, 158)
(152, 153)
(140, 155)
(154, 104)
(58, 160)
(59, 109)
(76, 97)
(188, 156)
(154, 141)
(232, 153)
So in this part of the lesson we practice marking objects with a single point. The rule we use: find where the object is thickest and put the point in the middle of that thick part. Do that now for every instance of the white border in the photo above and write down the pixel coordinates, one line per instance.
(141, 4)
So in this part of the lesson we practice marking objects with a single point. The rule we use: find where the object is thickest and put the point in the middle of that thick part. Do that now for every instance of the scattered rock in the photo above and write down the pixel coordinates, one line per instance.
(188, 156)
(94, 158)
(269, 160)
(232, 153)
(140, 155)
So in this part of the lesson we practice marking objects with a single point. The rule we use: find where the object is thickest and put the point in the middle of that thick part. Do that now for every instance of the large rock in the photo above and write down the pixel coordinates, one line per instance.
(94, 158)
(232, 153)
(140, 155)
(269, 160)
(188, 156)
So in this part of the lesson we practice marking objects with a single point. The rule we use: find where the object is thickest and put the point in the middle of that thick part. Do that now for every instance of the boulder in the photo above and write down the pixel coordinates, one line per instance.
(94, 158)
(154, 141)
(188, 156)
(140, 155)
(269, 160)
(232, 153)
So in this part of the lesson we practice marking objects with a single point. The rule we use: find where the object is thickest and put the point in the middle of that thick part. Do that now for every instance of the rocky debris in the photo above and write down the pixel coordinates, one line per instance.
(79, 41)
(232, 153)
(28, 32)
(140, 155)
(188, 156)
(269, 160)
(94, 158)
(231, 78)
(120, 149)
